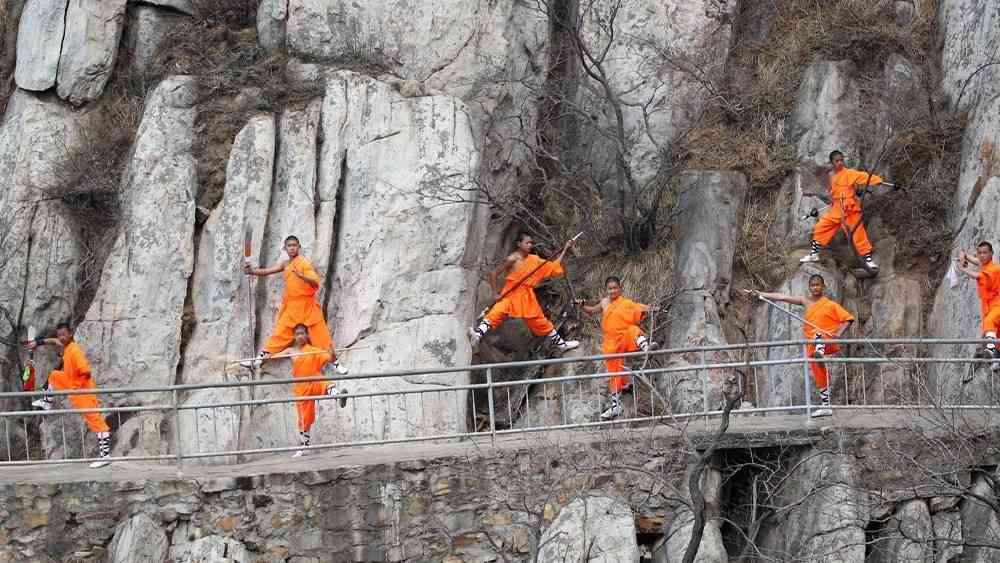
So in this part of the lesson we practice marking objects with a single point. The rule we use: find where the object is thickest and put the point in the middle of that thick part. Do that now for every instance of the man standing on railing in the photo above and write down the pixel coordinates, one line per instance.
(620, 323)
(988, 285)
(523, 271)
(75, 374)
(310, 361)
(298, 306)
(825, 318)
(844, 212)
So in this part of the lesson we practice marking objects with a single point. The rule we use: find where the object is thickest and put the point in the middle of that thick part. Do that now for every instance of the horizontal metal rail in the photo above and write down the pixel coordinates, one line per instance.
(774, 374)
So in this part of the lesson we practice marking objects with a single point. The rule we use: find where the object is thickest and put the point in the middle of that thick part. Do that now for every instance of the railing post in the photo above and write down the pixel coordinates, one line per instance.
(177, 435)
(493, 420)
(704, 388)
(805, 378)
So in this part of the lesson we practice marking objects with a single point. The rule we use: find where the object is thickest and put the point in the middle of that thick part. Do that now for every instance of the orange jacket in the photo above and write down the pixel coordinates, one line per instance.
(311, 365)
(827, 315)
(299, 301)
(519, 288)
(988, 284)
(75, 363)
(845, 183)
(619, 315)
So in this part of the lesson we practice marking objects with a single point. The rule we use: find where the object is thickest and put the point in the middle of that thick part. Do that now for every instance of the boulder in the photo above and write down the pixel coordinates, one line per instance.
(132, 331)
(831, 524)
(980, 523)
(138, 539)
(906, 537)
(678, 531)
(148, 30)
(89, 48)
(591, 528)
(710, 208)
(209, 549)
(827, 91)
(39, 41)
(271, 15)
(182, 6)
(948, 531)
(219, 289)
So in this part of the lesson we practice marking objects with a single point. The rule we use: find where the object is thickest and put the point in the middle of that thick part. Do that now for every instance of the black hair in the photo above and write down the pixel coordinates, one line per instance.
(292, 237)
(521, 236)
(296, 327)
(64, 325)
(987, 245)
(817, 277)
(615, 279)
(835, 154)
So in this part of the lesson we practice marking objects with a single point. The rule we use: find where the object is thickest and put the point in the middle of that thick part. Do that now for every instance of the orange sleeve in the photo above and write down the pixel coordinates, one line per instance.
(305, 268)
(634, 312)
(551, 269)
(861, 178)
(839, 313)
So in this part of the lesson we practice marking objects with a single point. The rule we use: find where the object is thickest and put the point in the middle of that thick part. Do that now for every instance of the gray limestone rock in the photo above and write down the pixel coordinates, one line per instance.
(137, 540)
(89, 48)
(39, 41)
(133, 327)
(596, 528)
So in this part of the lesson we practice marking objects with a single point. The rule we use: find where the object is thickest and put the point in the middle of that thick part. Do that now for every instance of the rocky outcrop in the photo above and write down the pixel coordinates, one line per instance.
(42, 252)
(138, 539)
(149, 28)
(906, 537)
(39, 40)
(591, 528)
(826, 94)
(89, 48)
(132, 331)
(710, 208)
(971, 84)
(831, 524)
(711, 549)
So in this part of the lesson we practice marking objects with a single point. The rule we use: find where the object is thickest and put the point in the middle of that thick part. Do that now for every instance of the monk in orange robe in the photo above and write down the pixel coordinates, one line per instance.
(298, 306)
(825, 319)
(988, 286)
(310, 361)
(523, 271)
(76, 374)
(620, 323)
(844, 211)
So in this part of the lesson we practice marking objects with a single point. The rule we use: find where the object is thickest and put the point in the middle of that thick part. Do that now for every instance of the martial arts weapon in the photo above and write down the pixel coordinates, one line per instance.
(786, 311)
(28, 377)
(813, 212)
(279, 355)
(247, 253)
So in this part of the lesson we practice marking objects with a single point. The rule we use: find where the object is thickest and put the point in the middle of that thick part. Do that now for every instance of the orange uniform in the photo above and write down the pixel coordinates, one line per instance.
(845, 209)
(620, 325)
(75, 374)
(827, 315)
(309, 366)
(299, 306)
(988, 285)
(519, 299)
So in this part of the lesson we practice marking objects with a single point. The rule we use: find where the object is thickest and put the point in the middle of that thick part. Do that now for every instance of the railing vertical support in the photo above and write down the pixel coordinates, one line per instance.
(177, 434)
(704, 388)
(493, 420)
(805, 378)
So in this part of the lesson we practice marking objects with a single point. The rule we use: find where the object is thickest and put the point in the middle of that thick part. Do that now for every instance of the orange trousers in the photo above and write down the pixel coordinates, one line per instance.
(620, 344)
(539, 326)
(829, 224)
(991, 320)
(60, 381)
(284, 335)
(820, 375)
(307, 409)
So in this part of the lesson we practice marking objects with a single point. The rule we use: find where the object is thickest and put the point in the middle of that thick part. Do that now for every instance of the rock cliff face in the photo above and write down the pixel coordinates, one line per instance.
(386, 174)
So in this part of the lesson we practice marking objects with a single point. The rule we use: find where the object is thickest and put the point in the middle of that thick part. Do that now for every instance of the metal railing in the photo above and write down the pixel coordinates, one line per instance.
(672, 386)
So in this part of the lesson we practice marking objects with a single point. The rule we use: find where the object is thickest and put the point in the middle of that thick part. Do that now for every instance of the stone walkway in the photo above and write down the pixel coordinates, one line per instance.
(744, 430)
